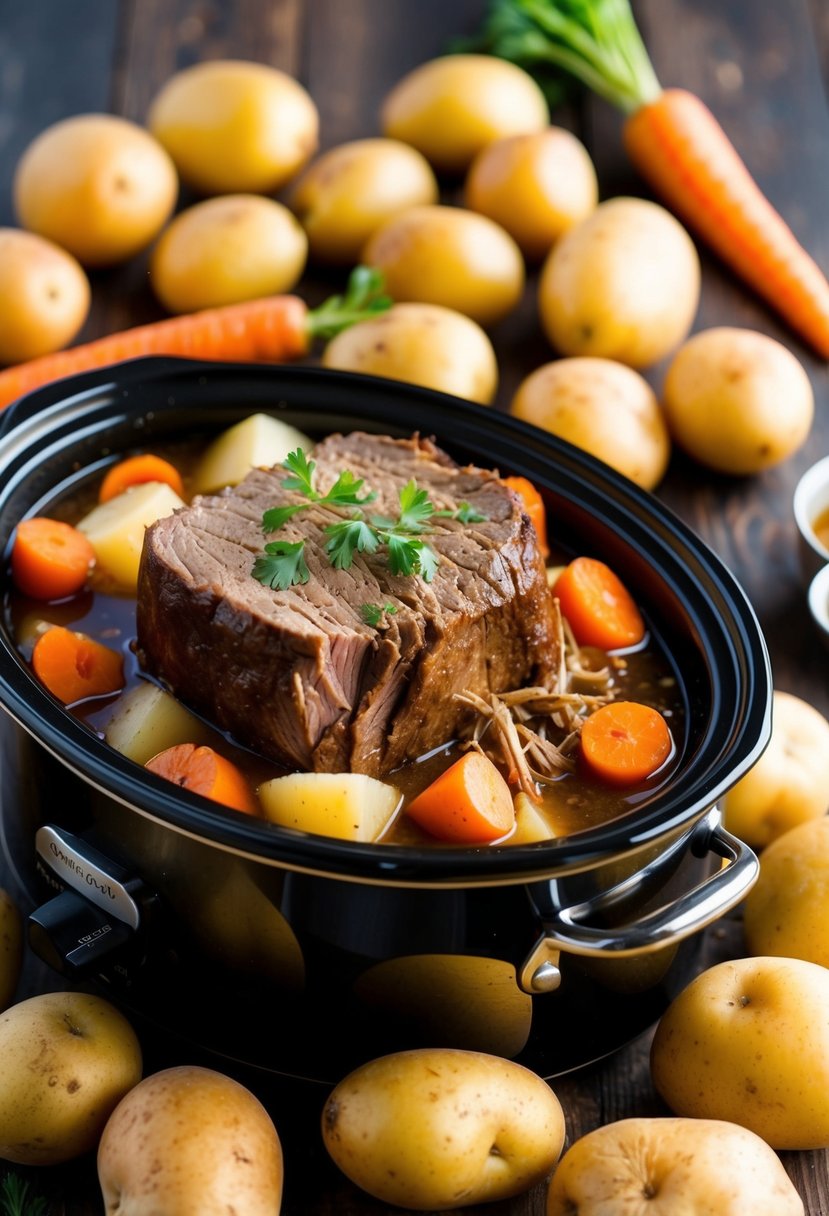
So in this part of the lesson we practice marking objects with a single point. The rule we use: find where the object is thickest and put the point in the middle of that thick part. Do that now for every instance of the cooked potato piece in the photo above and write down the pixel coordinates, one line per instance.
(349, 806)
(116, 528)
(148, 721)
(258, 442)
(530, 824)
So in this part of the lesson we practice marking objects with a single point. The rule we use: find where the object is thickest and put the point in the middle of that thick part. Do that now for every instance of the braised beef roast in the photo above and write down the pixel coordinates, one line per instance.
(297, 674)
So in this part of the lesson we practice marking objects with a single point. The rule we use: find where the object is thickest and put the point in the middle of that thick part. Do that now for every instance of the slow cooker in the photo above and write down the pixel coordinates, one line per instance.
(302, 955)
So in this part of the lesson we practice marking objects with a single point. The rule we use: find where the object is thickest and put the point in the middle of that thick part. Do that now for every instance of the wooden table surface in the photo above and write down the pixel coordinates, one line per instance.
(762, 66)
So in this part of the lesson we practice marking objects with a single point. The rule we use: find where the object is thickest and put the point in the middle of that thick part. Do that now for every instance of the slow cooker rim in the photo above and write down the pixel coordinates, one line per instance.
(520, 447)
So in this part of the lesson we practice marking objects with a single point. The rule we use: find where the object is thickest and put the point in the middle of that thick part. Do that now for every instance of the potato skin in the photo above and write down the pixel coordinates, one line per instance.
(789, 784)
(68, 1059)
(700, 1167)
(352, 190)
(737, 401)
(421, 344)
(748, 1041)
(603, 407)
(226, 250)
(418, 1128)
(99, 186)
(44, 296)
(11, 948)
(448, 256)
(450, 108)
(190, 1140)
(624, 284)
(786, 912)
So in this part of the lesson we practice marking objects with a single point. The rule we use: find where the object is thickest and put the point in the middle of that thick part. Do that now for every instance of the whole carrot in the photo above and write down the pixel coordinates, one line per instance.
(675, 142)
(274, 329)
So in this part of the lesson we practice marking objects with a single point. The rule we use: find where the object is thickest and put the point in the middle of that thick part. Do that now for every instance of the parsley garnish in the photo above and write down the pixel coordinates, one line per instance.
(282, 565)
(372, 614)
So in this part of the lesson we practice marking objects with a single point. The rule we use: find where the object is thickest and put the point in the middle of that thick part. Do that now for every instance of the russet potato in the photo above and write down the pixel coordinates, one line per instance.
(11, 948)
(44, 296)
(696, 1167)
(190, 1140)
(443, 1128)
(786, 912)
(789, 784)
(748, 1041)
(68, 1059)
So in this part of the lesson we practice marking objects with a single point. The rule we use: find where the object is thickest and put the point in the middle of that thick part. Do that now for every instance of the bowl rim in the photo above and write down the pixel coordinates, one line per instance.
(92, 402)
(814, 479)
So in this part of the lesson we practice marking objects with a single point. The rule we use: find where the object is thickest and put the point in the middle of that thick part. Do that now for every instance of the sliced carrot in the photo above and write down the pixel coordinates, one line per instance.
(533, 505)
(598, 607)
(204, 771)
(624, 742)
(50, 560)
(74, 667)
(137, 470)
(470, 803)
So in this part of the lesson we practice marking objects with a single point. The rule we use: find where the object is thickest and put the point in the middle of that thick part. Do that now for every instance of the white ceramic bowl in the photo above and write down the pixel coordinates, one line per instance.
(811, 498)
(819, 601)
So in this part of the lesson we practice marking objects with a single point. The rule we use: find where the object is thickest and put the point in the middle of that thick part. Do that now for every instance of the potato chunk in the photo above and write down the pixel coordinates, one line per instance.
(148, 721)
(257, 442)
(349, 806)
(116, 528)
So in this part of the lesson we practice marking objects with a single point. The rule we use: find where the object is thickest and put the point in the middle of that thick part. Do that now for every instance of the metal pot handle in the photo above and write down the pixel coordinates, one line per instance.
(566, 929)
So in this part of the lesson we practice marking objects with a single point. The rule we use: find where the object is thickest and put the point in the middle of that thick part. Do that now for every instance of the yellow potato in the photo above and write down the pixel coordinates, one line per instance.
(668, 1167)
(235, 127)
(787, 910)
(531, 825)
(258, 441)
(225, 250)
(748, 1041)
(422, 344)
(148, 720)
(624, 284)
(737, 401)
(116, 528)
(68, 1059)
(789, 784)
(97, 185)
(348, 806)
(353, 189)
(450, 108)
(537, 186)
(443, 1128)
(11, 948)
(189, 1140)
(603, 407)
(44, 296)
(452, 257)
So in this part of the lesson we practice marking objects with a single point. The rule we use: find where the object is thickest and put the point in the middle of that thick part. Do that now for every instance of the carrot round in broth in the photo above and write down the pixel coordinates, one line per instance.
(74, 667)
(468, 804)
(203, 771)
(50, 560)
(624, 742)
(598, 607)
(135, 471)
(533, 505)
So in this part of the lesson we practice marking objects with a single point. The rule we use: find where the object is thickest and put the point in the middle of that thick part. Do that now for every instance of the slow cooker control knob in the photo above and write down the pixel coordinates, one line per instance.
(75, 937)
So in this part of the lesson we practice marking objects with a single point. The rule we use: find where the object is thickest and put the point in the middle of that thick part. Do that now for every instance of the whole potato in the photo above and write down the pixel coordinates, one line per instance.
(737, 401)
(450, 108)
(787, 910)
(235, 127)
(603, 407)
(748, 1041)
(68, 1059)
(189, 1140)
(536, 186)
(448, 256)
(443, 1128)
(789, 784)
(422, 344)
(225, 250)
(97, 185)
(696, 1167)
(623, 284)
(44, 296)
(11, 948)
(352, 190)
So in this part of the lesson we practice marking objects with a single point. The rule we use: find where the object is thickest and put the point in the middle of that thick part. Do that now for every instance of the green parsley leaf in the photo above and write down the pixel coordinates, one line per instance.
(302, 469)
(415, 508)
(348, 537)
(464, 514)
(404, 553)
(427, 561)
(345, 491)
(275, 517)
(282, 565)
(372, 614)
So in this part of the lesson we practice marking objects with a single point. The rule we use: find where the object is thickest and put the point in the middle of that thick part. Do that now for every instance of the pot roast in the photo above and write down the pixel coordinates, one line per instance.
(298, 674)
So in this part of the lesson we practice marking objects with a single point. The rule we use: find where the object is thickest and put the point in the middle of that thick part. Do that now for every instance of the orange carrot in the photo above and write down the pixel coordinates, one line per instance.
(205, 772)
(675, 142)
(624, 742)
(274, 329)
(50, 560)
(74, 667)
(598, 607)
(468, 804)
(533, 505)
(137, 470)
